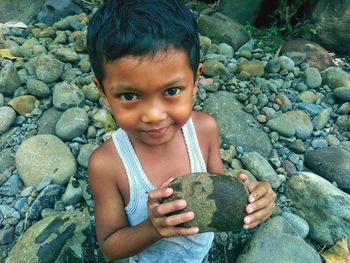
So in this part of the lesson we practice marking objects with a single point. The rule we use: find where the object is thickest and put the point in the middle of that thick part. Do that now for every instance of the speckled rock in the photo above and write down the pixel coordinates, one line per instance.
(335, 77)
(65, 96)
(280, 125)
(284, 245)
(214, 67)
(332, 163)
(48, 69)
(9, 79)
(301, 122)
(217, 200)
(342, 93)
(254, 68)
(7, 117)
(38, 88)
(48, 120)
(321, 120)
(72, 123)
(261, 169)
(312, 77)
(49, 239)
(45, 155)
(84, 154)
(322, 205)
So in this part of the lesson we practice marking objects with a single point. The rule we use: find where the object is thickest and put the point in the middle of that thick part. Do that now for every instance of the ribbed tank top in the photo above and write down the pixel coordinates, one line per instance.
(191, 249)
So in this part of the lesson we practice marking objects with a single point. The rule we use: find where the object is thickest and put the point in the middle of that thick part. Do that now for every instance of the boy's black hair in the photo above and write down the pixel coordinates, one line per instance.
(139, 27)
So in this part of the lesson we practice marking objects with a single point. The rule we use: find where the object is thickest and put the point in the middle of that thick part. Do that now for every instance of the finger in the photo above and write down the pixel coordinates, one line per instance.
(178, 219)
(258, 204)
(259, 215)
(257, 190)
(156, 195)
(167, 182)
(243, 177)
(172, 206)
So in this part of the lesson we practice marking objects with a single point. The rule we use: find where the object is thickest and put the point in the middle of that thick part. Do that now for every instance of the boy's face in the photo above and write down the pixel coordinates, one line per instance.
(150, 96)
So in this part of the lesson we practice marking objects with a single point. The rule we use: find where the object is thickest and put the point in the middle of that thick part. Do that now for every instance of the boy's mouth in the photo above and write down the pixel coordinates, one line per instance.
(157, 132)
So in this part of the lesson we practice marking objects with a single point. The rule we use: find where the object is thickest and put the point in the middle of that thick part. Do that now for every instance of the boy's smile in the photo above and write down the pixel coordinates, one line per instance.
(150, 96)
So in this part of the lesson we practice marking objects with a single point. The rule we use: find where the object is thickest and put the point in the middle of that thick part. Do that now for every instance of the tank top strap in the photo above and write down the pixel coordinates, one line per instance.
(194, 152)
(133, 168)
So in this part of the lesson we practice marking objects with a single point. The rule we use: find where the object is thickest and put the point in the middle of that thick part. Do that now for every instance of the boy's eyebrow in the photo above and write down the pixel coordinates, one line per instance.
(132, 88)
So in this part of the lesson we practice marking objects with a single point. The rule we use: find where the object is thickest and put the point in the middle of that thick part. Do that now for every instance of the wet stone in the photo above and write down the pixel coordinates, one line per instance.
(217, 200)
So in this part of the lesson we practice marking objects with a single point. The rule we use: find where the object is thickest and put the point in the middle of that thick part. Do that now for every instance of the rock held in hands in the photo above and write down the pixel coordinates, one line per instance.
(217, 200)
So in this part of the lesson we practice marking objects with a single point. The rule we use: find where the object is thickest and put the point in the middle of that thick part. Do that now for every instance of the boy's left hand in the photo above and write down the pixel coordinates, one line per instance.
(261, 202)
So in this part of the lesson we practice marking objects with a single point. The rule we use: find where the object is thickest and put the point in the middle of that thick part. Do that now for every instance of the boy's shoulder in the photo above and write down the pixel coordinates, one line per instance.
(204, 123)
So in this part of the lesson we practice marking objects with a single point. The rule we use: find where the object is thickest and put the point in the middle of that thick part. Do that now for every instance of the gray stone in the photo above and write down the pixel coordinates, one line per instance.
(342, 93)
(286, 63)
(321, 120)
(226, 50)
(261, 169)
(344, 108)
(48, 120)
(46, 199)
(273, 66)
(48, 69)
(242, 11)
(322, 205)
(66, 54)
(319, 143)
(7, 235)
(235, 126)
(66, 96)
(312, 77)
(84, 154)
(276, 242)
(49, 239)
(73, 195)
(282, 126)
(91, 92)
(19, 10)
(254, 68)
(7, 117)
(222, 29)
(335, 77)
(38, 88)
(301, 122)
(44, 155)
(11, 186)
(215, 68)
(72, 123)
(331, 163)
(297, 146)
(331, 17)
(307, 96)
(9, 79)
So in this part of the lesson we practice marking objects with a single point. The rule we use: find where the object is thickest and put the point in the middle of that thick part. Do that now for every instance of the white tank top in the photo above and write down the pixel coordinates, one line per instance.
(192, 249)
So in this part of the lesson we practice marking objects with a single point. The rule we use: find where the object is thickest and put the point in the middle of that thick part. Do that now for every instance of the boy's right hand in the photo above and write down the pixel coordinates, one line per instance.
(166, 225)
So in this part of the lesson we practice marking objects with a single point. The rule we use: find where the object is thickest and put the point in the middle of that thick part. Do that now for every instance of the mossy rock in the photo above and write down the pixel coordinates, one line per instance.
(217, 200)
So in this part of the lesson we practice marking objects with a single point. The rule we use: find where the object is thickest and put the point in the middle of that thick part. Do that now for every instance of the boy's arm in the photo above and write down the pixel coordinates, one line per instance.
(115, 237)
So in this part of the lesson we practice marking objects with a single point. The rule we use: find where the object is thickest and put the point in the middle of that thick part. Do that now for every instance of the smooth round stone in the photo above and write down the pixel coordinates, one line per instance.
(91, 92)
(7, 117)
(301, 122)
(44, 155)
(38, 88)
(226, 50)
(64, 96)
(342, 93)
(2, 100)
(335, 77)
(307, 96)
(321, 120)
(73, 123)
(343, 109)
(254, 68)
(9, 79)
(286, 63)
(213, 68)
(312, 77)
(319, 143)
(218, 201)
(299, 224)
(48, 69)
(332, 140)
(282, 126)
(84, 154)
(273, 66)
(103, 117)
(66, 54)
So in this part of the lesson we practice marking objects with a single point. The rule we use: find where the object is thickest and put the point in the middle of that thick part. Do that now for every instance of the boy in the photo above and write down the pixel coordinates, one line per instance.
(145, 55)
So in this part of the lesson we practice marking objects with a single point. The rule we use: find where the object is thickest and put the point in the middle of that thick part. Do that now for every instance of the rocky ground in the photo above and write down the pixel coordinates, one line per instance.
(279, 118)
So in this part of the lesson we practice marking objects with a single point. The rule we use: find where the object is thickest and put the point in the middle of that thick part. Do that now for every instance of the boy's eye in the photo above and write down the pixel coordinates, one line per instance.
(172, 91)
(128, 97)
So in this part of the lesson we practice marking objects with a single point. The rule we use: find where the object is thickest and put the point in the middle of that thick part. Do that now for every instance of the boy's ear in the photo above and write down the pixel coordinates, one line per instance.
(198, 74)
(100, 90)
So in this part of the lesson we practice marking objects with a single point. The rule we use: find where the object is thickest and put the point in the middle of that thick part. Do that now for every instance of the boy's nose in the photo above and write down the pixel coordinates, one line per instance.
(154, 113)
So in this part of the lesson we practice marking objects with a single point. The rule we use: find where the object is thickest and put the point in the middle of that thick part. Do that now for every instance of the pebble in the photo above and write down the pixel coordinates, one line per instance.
(7, 117)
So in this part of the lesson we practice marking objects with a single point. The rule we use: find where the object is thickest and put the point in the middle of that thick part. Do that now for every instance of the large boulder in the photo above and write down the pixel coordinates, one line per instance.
(222, 29)
(23, 11)
(332, 18)
(315, 55)
(235, 126)
(242, 11)
(322, 205)
(217, 200)
(52, 238)
(332, 163)
(275, 242)
(45, 155)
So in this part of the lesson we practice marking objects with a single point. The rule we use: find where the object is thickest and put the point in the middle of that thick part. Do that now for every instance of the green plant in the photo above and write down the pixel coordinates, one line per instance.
(250, 28)
(303, 29)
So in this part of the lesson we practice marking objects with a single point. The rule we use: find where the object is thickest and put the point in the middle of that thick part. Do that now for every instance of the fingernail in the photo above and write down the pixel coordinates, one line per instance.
(245, 226)
(250, 209)
(196, 230)
(251, 199)
(247, 220)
